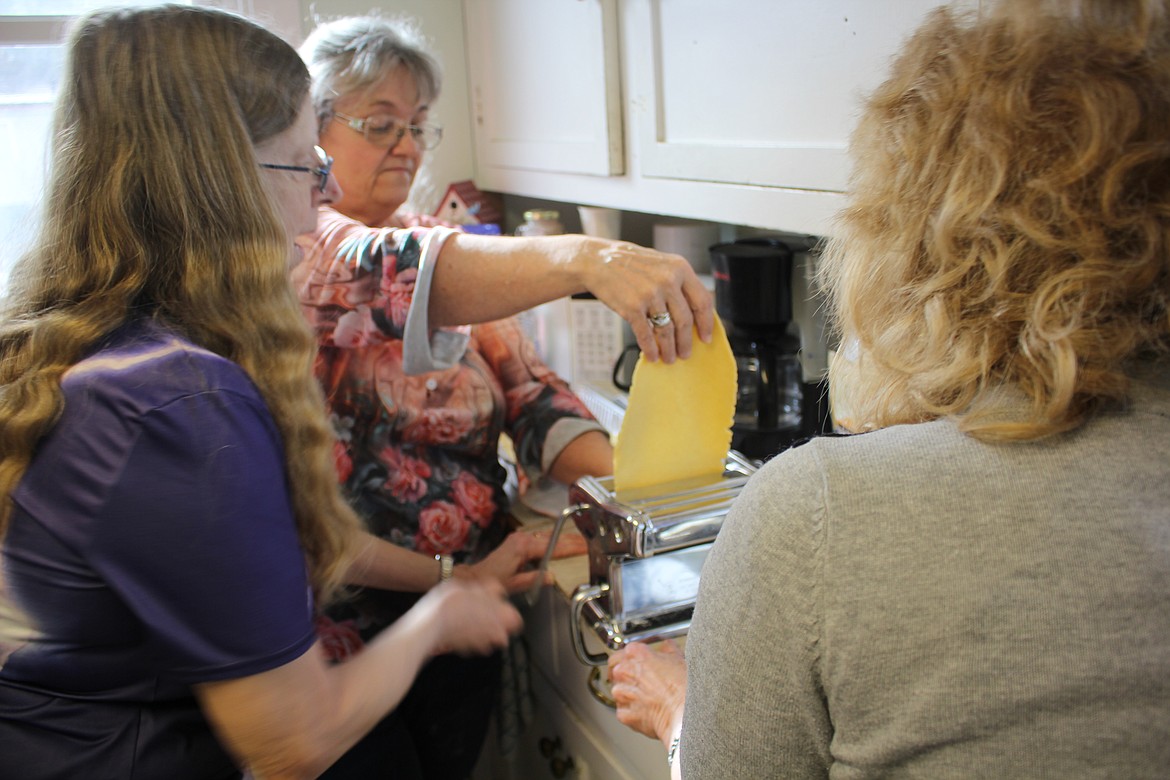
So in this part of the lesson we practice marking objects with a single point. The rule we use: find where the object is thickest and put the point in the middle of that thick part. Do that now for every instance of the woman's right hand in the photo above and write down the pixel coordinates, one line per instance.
(649, 686)
(522, 272)
(508, 563)
(639, 283)
(472, 616)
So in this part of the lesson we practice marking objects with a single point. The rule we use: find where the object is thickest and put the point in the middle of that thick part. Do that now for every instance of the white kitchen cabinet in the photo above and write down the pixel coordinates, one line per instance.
(758, 93)
(601, 746)
(737, 111)
(545, 86)
(571, 734)
(560, 744)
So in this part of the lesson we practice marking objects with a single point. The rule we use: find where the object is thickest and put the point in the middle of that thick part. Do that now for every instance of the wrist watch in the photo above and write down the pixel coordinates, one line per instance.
(446, 567)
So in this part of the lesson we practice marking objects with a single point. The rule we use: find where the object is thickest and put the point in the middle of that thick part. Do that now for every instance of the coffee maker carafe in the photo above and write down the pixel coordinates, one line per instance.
(753, 296)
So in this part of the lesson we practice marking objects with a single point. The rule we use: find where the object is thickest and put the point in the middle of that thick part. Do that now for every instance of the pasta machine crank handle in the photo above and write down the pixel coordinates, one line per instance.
(533, 594)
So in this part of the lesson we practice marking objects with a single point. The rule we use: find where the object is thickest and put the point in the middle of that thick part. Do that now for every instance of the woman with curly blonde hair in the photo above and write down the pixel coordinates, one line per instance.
(979, 585)
(170, 512)
(1007, 229)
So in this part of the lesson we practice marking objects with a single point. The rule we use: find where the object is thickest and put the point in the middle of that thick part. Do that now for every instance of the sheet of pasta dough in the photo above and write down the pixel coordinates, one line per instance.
(678, 421)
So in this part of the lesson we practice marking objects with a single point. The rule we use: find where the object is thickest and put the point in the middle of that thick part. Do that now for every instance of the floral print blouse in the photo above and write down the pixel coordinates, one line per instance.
(418, 454)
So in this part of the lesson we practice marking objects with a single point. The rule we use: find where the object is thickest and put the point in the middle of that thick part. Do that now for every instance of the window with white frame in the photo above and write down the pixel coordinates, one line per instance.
(32, 55)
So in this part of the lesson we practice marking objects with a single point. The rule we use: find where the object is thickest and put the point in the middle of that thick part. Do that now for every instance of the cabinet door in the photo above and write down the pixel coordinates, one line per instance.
(758, 92)
(560, 685)
(545, 84)
(559, 744)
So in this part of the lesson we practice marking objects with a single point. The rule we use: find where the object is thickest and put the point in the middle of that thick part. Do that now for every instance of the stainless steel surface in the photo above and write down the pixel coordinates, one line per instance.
(640, 523)
(584, 596)
(666, 583)
(587, 612)
(646, 551)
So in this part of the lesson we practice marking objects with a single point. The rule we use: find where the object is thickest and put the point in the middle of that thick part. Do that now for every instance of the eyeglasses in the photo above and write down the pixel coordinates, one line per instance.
(386, 131)
(322, 171)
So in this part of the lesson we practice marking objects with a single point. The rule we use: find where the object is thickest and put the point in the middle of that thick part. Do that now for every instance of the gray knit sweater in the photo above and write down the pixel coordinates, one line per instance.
(914, 603)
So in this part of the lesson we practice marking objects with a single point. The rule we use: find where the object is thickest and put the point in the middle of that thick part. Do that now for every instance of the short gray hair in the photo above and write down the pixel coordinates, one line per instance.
(348, 55)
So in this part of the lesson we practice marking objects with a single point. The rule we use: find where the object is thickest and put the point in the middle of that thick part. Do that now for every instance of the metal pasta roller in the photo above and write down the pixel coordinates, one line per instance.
(646, 550)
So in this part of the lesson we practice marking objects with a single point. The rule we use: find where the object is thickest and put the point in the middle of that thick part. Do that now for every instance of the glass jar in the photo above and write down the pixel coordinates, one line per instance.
(541, 223)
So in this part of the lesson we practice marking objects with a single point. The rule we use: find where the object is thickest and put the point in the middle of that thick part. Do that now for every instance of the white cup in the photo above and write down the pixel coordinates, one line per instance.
(600, 222)
(689, 239)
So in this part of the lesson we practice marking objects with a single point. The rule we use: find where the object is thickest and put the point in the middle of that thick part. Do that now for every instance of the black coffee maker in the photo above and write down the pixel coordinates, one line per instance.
(774, 406)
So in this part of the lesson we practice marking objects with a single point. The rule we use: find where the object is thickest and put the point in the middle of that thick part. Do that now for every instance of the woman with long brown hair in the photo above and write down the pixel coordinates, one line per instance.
(171, 516)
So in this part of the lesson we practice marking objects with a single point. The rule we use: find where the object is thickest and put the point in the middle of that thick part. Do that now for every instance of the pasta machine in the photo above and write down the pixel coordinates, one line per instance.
(646, 550)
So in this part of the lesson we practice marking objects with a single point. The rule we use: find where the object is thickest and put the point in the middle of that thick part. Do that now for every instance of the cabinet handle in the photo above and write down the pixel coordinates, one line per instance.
(550, 747)
(560, 767)
(597, 691)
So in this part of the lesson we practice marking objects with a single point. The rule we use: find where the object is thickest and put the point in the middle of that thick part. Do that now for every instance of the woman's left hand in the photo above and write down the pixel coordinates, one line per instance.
(650, 685)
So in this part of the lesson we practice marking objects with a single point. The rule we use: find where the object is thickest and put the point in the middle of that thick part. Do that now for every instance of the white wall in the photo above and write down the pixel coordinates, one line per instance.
(442, 22)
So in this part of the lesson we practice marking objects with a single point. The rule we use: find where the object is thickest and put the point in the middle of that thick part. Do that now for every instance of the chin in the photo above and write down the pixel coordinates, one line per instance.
(397, 188)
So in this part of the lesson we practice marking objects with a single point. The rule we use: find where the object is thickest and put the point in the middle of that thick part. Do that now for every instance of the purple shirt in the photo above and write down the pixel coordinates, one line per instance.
(153, 546)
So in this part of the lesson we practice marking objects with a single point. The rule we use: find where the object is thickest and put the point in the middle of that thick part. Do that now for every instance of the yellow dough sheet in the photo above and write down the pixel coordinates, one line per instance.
(677, 425)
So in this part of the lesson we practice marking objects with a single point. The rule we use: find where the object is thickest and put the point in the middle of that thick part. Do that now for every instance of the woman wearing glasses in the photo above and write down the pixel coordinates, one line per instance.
(169, 511)
(419, 439)
(371, 99)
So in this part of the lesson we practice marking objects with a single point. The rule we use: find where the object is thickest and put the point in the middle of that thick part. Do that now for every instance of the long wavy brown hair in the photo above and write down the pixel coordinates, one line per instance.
(1007, 230)
(155, 207)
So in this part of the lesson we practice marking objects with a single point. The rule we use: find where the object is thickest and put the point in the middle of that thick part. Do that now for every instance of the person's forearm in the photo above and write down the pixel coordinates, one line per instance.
(295, 721)
(481, 278)
(484, 278)
(590, 454)
(385, 565)
(382, 564)
(394, 658)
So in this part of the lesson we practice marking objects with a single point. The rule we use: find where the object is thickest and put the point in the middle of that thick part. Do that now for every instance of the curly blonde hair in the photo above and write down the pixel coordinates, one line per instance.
(1007, 229)
(155, 207)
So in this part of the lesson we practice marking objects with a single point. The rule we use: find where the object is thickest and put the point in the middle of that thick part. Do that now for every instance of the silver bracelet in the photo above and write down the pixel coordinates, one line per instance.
(446, 567)
(672, 753)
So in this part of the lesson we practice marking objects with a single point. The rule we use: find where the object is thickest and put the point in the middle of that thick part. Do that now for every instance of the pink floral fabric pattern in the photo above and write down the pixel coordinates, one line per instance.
(418, 454)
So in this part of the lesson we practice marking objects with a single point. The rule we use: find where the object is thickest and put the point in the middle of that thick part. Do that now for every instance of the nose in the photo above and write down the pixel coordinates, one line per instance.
(405, 145)
(332, 192)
